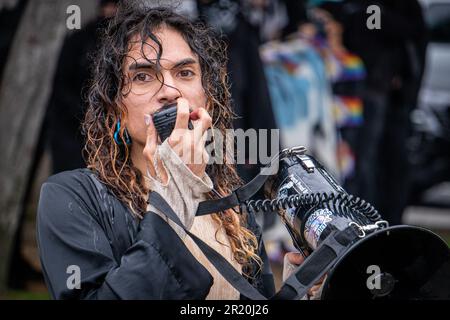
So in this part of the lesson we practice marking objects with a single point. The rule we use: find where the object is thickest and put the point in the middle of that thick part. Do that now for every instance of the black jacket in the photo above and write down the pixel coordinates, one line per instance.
(82, 226)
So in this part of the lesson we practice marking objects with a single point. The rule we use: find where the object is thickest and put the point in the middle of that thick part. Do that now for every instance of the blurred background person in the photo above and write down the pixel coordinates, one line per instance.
(316, 91)
(394, 56)
(239, 22)
(66, 107)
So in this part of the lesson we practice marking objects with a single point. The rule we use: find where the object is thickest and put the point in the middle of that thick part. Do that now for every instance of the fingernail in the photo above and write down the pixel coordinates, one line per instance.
(147, 119)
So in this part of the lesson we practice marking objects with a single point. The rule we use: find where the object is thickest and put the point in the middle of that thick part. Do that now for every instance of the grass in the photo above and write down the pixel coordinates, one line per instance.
(25, 295)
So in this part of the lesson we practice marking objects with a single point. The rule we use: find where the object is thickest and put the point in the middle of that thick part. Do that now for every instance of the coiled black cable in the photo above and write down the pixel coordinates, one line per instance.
(342, 204)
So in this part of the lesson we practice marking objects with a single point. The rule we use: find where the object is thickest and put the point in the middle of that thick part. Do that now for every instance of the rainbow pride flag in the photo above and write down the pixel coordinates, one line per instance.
(348, 111)
(352, 67)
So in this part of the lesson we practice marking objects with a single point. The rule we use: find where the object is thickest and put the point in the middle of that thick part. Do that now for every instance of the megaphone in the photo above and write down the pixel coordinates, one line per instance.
(380, 262)
(400, 262)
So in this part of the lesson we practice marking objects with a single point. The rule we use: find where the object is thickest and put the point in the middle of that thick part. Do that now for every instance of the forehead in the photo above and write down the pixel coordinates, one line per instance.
(174, 48)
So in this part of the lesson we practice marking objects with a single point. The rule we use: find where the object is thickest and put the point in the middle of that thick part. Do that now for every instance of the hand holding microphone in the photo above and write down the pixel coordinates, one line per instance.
(187, 143)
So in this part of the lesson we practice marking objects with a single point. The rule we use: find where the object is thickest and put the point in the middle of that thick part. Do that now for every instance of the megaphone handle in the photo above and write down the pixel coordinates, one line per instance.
(317, 265)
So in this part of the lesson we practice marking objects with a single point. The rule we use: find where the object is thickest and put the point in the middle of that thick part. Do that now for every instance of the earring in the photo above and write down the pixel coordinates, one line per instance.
(125, 133)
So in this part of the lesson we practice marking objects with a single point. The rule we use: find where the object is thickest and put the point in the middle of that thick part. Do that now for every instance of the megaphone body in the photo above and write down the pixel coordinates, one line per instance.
(398, 262)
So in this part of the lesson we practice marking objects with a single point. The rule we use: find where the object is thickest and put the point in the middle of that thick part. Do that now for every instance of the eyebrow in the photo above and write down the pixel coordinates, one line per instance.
(151, 65)
(140, 65)
(184, 62)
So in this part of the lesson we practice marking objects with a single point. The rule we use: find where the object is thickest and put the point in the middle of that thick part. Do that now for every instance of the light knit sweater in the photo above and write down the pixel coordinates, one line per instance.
(183, 192)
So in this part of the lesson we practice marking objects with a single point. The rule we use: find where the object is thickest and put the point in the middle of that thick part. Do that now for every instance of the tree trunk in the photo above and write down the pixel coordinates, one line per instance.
(26, 86)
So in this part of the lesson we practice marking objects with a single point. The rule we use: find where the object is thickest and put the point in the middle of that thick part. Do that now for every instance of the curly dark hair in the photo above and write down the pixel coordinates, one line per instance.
(112, 162)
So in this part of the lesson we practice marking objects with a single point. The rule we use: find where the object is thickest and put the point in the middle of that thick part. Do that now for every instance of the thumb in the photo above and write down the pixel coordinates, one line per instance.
(150, 144)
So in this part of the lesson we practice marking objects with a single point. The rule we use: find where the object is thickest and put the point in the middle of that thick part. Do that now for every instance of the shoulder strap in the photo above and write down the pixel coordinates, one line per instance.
(238, 196)
(245, 192)
(216, 259)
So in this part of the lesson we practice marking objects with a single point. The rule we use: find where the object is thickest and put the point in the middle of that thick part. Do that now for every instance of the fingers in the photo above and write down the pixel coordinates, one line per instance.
(181, 122)
(150, 144)
(203, 123)
(295, 258)
(314, 290)
(182, 114)
(190, 144)
(152, 136)
(316, 287)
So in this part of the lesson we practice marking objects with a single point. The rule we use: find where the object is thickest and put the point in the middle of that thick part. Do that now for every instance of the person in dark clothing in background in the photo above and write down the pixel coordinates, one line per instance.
(394, 57)
(395, 172)
(296, 15)
(236, 21)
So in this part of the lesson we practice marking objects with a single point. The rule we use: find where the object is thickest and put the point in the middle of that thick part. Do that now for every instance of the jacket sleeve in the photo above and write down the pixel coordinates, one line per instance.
(78, 261)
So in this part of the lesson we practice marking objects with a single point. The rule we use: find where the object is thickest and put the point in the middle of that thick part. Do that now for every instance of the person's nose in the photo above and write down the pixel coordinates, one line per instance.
(168, 93)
